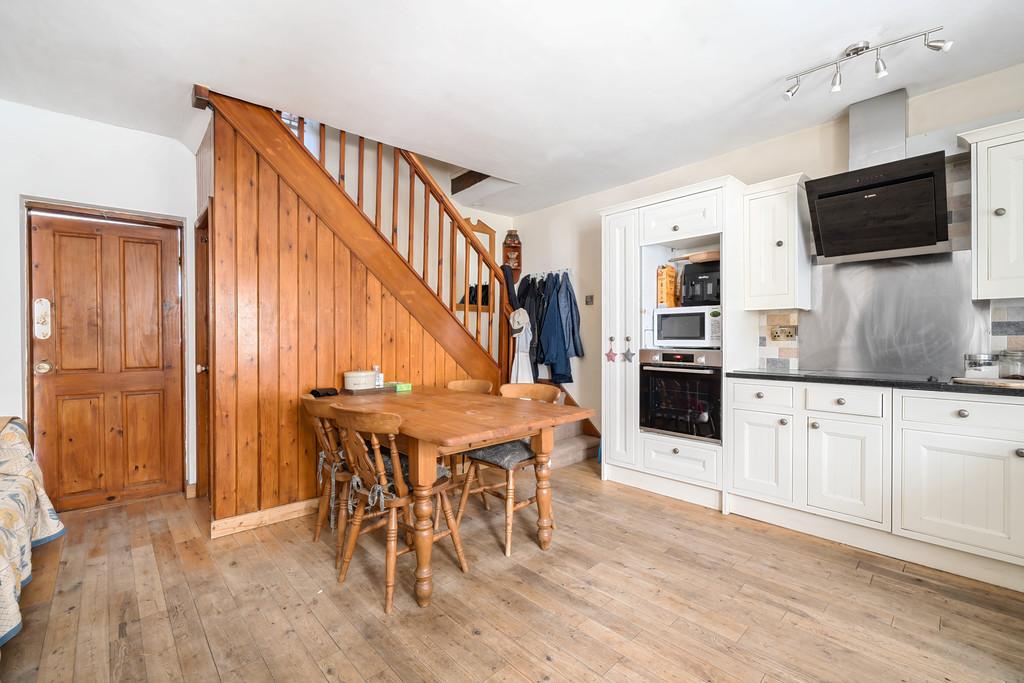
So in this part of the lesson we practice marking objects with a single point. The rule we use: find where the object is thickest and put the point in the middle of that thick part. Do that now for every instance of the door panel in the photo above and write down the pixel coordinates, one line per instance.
(140, 313)
(964, 489)
(80, 438)
(107, 418)
(763, 463)
(1001, 236)
(143, 442)
(768, 250)
(79, 327)
(620, 385)
(844, 467)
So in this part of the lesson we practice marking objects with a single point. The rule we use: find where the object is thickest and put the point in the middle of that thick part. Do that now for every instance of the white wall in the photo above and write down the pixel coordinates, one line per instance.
(568, 235)
(54, 156)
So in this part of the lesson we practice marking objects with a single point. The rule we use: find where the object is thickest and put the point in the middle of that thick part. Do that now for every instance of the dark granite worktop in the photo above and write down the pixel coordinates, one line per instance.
(874, 379)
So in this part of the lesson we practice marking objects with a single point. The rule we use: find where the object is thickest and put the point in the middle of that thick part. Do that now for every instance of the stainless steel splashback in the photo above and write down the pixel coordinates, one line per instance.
(910, 315)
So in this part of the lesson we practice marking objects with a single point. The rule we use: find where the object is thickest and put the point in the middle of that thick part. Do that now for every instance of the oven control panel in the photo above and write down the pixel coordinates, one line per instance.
(705, 357)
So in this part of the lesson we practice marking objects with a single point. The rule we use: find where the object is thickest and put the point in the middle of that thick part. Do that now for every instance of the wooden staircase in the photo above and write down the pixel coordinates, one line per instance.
(328, 252)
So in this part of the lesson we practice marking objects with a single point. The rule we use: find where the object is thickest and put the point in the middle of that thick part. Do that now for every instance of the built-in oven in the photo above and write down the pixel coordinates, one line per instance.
(681, 393)
(688, 327)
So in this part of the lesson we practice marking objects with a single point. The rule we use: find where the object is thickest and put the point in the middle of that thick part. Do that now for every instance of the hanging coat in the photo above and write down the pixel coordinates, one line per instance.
(552, 335)
(519, 321)
(570, 314)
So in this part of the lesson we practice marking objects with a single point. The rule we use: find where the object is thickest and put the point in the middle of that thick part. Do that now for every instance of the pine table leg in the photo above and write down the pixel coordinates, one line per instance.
(423, 474)
(542, 444)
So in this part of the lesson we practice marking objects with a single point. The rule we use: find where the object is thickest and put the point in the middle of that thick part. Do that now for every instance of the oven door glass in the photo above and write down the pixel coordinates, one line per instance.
(681, 327)
(684, 401)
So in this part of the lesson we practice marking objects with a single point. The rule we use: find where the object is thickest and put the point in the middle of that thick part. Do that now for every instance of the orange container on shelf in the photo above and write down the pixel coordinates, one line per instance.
(666, 286)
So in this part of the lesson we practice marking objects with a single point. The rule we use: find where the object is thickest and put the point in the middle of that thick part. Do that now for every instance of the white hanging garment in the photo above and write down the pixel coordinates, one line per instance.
(522, 371)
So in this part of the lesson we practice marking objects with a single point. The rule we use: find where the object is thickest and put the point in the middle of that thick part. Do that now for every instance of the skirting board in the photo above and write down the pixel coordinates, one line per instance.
(254, 520)
(882, 542)
(680, 490)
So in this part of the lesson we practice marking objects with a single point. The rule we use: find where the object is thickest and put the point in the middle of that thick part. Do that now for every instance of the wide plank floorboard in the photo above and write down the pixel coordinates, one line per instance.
(636, 587)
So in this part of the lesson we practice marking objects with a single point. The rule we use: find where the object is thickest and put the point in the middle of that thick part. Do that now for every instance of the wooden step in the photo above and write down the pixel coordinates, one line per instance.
(573, 450)
(568, 431)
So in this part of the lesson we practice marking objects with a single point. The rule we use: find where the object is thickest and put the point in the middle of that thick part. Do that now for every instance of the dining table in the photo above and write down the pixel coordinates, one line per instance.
(440, 422)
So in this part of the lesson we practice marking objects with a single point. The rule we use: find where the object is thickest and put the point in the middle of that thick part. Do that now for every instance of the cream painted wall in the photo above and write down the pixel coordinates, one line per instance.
(54, 156)
(568, 235)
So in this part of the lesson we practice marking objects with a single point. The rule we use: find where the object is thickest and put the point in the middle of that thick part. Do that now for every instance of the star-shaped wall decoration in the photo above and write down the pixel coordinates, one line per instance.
(610, 355)
(627, 355)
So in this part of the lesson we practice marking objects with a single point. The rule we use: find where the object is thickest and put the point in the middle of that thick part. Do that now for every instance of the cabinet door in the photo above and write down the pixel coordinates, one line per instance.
(763, 454)
(844, 467)
(963, 489)
(620, 384)
(1000, 220)
(768, 231)
(696, 214)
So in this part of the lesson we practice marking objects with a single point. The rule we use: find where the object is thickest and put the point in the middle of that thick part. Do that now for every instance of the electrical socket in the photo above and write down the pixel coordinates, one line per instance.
(784, 332)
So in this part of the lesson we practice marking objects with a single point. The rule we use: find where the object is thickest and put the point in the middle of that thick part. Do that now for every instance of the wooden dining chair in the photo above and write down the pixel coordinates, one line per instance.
(333, 474)
(457, 462)
(472, 386)
(510, 457)
(380, 492)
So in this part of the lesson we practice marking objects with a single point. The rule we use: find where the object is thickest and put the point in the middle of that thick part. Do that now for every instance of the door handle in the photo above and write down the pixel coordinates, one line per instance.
(815, 425)
(1000, 211)
(43, 367)
(200, 369)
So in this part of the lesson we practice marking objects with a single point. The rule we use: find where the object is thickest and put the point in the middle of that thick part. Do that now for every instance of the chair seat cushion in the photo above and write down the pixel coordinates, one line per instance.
(442, 471)
(504, 455)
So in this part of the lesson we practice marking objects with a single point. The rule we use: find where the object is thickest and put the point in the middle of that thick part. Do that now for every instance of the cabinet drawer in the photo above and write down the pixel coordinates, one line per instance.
(762, 395)
(681, 458)
(684, 217)
(963, 413)
(846, 400)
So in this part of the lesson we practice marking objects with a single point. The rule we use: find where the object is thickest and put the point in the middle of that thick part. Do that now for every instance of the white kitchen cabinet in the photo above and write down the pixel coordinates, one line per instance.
(845, 467)
(620, 314)
(997, 211)
(696, 214)
(762, 454)
(777, 268)
(961, 490)
(682, 459)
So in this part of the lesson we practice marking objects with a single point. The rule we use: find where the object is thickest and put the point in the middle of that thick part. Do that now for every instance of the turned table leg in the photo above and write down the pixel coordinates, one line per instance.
(423, 474)
(542, 444)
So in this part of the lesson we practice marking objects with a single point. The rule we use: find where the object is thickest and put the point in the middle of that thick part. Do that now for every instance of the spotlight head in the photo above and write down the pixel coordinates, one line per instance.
(837, 80)
(880, 70)
(939, 45)
(791, 91)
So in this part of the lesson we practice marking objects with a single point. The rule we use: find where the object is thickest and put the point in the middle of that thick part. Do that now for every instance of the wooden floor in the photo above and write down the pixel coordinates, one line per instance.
(635, 587)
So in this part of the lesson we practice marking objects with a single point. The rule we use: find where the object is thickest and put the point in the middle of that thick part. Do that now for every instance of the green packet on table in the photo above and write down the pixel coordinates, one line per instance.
(399, 386)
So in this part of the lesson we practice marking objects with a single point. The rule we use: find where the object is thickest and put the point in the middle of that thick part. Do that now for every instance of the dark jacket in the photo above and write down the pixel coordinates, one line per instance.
(570, 313)
(552, 334)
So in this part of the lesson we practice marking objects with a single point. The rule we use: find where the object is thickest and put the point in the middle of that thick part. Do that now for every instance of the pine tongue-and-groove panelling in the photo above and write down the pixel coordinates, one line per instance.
(293, 308)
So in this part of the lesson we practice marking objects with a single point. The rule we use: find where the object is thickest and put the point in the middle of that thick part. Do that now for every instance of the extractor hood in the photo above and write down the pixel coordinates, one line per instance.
(886, 210)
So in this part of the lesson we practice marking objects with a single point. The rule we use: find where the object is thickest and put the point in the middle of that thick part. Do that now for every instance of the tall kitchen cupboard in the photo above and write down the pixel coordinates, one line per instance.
(620, 332)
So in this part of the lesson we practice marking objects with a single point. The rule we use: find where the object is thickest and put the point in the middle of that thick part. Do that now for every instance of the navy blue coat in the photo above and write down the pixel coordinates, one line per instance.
(552, 334)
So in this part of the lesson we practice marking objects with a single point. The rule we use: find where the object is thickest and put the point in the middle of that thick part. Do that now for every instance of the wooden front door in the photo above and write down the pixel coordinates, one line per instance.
(106, 367)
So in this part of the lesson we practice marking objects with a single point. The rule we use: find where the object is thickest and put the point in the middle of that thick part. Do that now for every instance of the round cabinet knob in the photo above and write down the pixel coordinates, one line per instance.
(675, 228)
(783, 421)
(815, 425)
(841, 401)
(1019, 452)
(779, 243)
(675, 451)
(629, 338)
(963, 412)
(759, 394)
(1000, 211)
(611, 339)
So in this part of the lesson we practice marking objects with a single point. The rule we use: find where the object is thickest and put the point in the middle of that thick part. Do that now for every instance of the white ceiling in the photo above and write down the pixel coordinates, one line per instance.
(563, 98)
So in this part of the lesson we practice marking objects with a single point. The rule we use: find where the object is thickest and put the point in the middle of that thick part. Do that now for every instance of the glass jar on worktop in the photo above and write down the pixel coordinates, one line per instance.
(1011, 365)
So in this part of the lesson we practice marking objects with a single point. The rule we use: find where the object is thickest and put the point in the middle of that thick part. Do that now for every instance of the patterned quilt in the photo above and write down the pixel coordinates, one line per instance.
(27, 520)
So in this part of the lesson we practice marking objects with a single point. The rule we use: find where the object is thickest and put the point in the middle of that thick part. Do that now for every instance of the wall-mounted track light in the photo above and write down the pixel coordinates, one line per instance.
(856, 50)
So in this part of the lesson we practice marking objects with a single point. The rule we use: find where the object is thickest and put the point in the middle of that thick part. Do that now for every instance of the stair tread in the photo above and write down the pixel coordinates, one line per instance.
(578, 441)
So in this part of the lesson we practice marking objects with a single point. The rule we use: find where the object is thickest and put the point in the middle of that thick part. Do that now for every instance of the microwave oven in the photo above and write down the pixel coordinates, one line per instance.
(688, 327)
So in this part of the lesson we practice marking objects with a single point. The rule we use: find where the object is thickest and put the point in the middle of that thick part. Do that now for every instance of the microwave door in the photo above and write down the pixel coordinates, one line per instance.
(681, 327)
